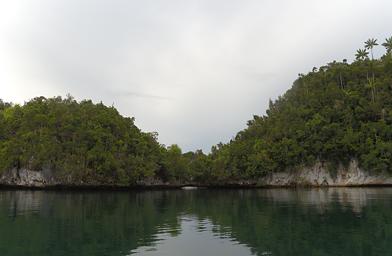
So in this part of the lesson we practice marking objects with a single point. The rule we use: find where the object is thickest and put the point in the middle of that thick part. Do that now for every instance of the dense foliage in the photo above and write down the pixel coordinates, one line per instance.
(80, 142)
(334, 114)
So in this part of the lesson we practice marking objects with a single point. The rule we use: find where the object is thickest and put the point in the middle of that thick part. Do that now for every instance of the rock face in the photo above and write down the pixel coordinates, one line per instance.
(24, 177)
(318, 175)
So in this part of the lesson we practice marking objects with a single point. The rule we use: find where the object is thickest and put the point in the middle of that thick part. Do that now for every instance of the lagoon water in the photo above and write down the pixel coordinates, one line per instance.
(334, 221)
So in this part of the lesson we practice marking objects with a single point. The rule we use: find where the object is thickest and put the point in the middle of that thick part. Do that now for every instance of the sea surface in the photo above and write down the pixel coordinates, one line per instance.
(330, 221)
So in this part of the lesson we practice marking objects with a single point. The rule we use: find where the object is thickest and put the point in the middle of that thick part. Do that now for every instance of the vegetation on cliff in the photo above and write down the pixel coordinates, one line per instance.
(333, 114)
(79, 142)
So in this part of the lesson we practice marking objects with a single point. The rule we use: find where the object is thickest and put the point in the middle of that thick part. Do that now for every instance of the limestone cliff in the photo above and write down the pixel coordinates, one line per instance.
(26, 178)
(317, 175)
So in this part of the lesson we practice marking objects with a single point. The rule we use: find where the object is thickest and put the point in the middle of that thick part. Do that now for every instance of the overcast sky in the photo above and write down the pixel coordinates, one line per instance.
(192, 70)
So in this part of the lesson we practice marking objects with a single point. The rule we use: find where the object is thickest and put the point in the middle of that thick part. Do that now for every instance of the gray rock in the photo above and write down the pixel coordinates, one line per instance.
(319, 175)
(24, 177)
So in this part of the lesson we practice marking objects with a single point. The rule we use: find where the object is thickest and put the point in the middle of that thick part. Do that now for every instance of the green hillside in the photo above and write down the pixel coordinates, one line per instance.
(81, 142)
(335, 113)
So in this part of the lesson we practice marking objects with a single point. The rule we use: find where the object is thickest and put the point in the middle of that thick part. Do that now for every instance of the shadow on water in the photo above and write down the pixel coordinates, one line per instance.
(333, 221)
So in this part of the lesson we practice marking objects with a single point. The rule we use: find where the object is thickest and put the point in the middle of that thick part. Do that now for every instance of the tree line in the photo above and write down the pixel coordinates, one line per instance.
(334, 114)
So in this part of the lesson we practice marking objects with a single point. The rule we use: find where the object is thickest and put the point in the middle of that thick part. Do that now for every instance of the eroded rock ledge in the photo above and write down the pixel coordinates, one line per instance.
(317, 176)
(26, 178)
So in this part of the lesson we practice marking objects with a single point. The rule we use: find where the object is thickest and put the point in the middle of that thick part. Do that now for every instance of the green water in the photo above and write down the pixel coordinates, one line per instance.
(335, 221)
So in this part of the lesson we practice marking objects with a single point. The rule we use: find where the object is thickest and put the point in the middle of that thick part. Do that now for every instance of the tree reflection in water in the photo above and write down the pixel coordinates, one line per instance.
(334, 221)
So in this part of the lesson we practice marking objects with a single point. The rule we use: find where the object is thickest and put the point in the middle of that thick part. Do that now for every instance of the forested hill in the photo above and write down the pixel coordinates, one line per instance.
(83, 143)
(79, 142)
(333, 114)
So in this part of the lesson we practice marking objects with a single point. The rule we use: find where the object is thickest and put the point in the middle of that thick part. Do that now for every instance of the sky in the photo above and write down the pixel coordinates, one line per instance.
(194, 71)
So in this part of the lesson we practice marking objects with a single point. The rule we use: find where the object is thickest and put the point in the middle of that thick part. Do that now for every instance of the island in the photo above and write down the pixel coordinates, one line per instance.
(333, 127)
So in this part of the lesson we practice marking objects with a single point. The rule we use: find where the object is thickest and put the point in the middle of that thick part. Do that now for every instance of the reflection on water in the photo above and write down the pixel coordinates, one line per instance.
(334, 221)
(196, 238)
(322, 198)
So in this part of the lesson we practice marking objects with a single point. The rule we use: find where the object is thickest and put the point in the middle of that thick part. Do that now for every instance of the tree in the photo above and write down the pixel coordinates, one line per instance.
(176, 164)
(388, 45)
(361, 54)
(369, 45)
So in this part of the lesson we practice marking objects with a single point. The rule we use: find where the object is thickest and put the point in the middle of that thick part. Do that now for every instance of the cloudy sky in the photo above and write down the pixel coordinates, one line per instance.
(194, 71)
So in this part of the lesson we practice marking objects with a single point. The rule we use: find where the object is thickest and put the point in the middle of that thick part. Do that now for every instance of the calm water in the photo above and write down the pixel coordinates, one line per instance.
(336, 221)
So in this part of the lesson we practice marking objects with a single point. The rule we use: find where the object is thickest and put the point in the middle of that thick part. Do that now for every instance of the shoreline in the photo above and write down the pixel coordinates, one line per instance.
(317, 176)
(184, 187)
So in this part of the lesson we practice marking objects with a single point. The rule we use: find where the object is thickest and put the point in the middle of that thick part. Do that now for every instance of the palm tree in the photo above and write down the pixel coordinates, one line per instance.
(388, 45)
(372, 85)
(369, 44)
(361, 54)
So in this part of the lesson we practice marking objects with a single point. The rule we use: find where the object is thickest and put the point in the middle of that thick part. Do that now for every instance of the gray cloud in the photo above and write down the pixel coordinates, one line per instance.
(194, 71)
(143, 95)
